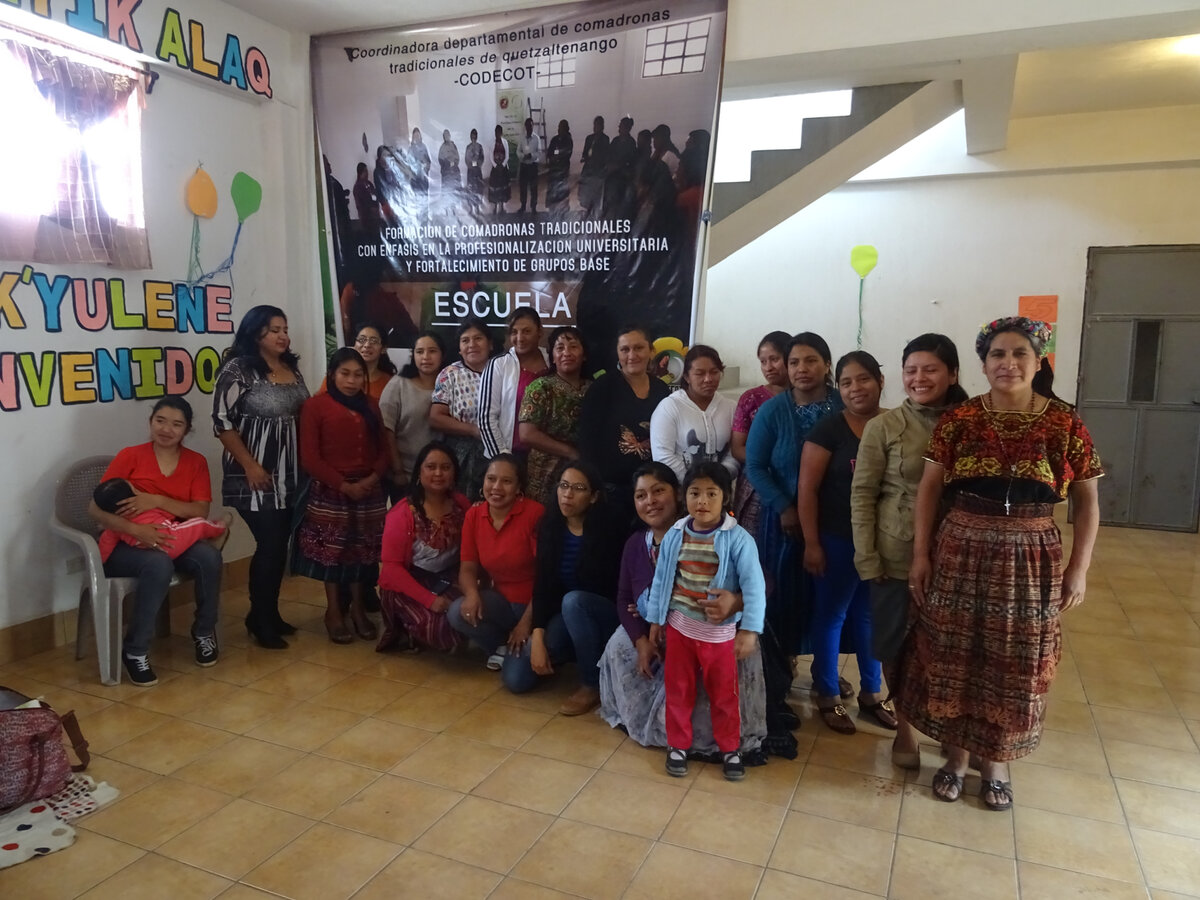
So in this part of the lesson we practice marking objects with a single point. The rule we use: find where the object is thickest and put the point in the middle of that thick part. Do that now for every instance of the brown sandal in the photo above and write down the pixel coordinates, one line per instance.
(881, 713)
(837, 718)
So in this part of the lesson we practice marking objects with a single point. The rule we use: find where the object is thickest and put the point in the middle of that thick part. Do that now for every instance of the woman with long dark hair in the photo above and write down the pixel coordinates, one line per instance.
(548, 421)
(772, 362)
(632, 690)
(421, 541)
(504, 382)
(371, 343)
(840, 597)
(614, 420)
(165, 476)
(256, 404)
(883, 494)
(498, 564)
(694, 425)
(773, 450)
(454, 405)
(344, 450)
(405, 407)
(573, 597)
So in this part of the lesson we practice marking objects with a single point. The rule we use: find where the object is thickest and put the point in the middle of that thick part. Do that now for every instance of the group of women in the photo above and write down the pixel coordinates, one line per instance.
(918, 538)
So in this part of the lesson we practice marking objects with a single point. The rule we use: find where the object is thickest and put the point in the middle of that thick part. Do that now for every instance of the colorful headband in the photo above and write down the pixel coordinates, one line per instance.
(1037, 332)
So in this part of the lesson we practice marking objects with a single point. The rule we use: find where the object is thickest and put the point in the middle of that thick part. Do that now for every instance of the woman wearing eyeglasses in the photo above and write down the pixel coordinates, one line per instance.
(371, 345)
(574, 613)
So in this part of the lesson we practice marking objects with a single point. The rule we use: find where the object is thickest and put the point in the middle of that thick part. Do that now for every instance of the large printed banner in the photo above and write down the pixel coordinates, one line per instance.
(554, 158)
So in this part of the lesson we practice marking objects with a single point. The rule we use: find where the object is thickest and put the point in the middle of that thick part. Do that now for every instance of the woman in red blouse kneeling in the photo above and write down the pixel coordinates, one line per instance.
(499, 543)
(342, 447)
(421, 540)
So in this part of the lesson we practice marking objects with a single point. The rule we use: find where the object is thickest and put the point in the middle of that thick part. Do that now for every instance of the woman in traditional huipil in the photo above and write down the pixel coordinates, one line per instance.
(989, 589)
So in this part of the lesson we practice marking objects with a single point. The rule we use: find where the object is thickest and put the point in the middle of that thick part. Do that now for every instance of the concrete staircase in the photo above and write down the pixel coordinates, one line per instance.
(819, 136)
(882, 119)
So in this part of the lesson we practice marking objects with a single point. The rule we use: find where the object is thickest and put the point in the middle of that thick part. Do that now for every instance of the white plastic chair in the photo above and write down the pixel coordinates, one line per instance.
(101, 595)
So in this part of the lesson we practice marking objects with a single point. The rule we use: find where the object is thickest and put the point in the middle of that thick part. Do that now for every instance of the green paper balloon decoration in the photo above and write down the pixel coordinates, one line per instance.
(247, 195)
(863, 259)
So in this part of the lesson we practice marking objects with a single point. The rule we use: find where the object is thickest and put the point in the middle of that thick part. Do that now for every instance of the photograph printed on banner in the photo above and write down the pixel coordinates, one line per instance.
(555, 158)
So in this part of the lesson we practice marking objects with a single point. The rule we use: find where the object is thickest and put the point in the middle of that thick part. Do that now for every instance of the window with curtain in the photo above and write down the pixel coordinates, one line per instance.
(71, 159)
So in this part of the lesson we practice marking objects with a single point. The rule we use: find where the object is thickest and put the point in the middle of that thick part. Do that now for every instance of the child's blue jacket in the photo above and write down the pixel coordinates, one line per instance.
(738, 570)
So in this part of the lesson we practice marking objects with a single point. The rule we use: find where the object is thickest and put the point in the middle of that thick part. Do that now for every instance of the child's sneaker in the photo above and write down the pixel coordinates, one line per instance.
(139, 670)
(206, 649)
(676, 762)
(732, 766)
(495, 662)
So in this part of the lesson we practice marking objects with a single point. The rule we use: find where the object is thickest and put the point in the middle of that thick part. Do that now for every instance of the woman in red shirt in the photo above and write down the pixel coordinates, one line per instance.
(342, 448)
(164, 475)
(499, 541)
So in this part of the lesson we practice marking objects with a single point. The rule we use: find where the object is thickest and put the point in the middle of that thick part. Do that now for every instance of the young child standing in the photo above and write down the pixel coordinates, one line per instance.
(703, 552)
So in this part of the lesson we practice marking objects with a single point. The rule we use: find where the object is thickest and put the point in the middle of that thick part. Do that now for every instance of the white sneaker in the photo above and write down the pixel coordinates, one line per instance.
(495, 662)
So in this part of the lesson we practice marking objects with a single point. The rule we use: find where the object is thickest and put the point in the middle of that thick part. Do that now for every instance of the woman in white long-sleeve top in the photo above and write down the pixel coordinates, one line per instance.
(695, 424)
(504, 381)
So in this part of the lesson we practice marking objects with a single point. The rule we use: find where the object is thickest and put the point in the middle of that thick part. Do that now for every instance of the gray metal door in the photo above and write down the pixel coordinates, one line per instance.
(1139, 383)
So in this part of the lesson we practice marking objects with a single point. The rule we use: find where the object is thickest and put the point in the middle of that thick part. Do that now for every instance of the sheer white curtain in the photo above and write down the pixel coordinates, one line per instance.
(71, 163)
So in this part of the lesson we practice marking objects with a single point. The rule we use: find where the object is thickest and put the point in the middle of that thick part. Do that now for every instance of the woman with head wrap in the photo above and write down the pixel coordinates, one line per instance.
(989, 588)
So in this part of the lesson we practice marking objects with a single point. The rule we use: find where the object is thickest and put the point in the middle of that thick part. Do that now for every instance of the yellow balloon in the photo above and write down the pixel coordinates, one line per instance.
(863, 258)
(202, 195)
(668, 343)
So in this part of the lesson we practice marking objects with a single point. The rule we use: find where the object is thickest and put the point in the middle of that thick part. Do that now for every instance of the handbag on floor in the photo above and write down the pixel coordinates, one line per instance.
(33, 759)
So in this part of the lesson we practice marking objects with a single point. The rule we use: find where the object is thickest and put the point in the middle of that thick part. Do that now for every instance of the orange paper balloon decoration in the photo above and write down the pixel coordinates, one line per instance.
(201, 194)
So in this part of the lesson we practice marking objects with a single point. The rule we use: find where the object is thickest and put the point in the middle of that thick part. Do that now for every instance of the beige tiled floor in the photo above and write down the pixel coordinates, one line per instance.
(332, 772)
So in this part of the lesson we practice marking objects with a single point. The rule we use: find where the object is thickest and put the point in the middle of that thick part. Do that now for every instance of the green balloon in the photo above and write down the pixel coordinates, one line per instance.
(247, 195)
(863, 258)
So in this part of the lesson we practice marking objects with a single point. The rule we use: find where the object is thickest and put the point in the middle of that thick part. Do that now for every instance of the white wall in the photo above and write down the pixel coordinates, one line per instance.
(954, 252)
(187, 119)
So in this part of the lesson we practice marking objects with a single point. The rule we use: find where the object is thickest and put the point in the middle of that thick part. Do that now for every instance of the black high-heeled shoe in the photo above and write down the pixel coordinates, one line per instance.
(266, 638)
(284, 628)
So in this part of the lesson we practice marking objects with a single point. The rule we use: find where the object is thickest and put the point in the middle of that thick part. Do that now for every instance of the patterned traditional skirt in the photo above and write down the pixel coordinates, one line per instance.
(403, 615)
(985, 644)
(638, 704)
(339, 539)
(746, 505)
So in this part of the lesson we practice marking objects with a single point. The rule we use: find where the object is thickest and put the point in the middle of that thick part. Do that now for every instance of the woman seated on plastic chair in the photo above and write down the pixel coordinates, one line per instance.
(165, 475)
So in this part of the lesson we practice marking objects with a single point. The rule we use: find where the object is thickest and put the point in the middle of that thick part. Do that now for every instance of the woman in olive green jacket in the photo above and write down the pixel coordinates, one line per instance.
(890, 462)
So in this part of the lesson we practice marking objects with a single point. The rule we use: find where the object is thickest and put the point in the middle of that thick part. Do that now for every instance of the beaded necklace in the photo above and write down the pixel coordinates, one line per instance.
(1022, 424)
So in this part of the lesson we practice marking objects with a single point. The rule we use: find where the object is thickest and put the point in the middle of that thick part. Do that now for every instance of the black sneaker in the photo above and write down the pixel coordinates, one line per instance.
(732, 767)
(206, 649)
(676, 762)
(139, 670)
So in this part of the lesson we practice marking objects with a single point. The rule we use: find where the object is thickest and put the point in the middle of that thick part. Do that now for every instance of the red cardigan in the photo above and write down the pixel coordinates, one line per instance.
(335, 442)
(397, 555)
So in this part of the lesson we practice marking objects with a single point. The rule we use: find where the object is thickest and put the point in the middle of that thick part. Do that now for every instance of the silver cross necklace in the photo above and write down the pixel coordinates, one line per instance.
(991, 410)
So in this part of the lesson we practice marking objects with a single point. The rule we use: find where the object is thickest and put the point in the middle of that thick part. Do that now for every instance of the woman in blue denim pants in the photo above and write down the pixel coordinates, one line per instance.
(840, 597)
(574, 596)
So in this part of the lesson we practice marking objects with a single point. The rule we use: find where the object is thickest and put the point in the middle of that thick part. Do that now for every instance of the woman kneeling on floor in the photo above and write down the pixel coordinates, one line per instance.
(499, 561)
(632, 691)
(579, 547)
(421, 541)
